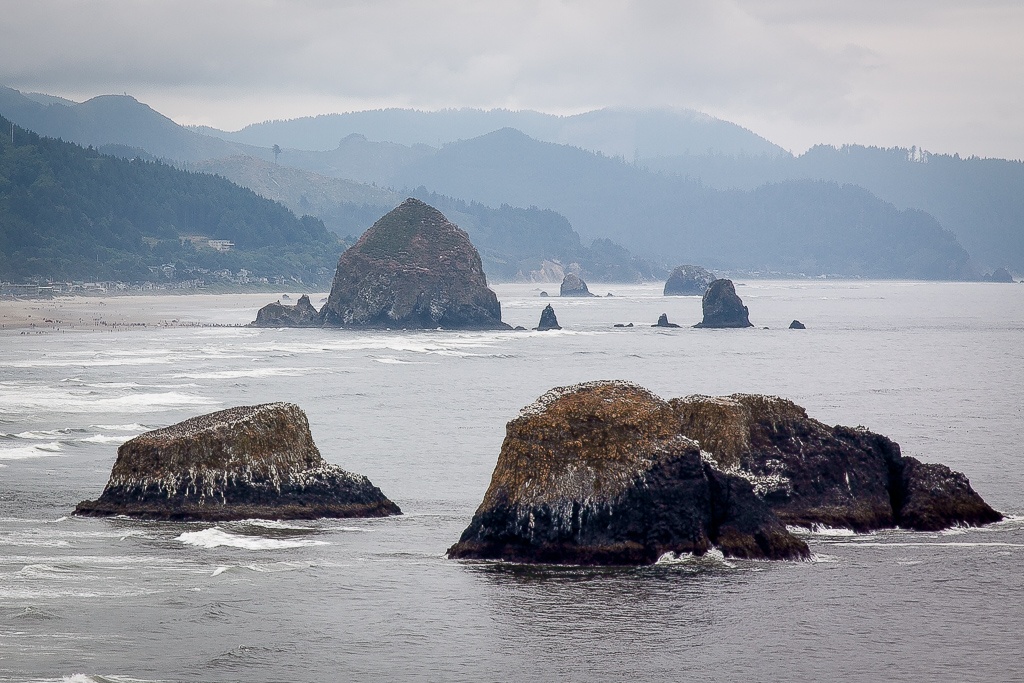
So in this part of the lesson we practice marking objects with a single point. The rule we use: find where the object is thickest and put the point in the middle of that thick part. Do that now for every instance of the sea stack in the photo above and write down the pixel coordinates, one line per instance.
(663, 321)
(688, 281)
(797, 325)
(723, 307)
(598, 473)
(548, 321)
(241, 463)
(302, 314)
(812, 474)
(573, 285)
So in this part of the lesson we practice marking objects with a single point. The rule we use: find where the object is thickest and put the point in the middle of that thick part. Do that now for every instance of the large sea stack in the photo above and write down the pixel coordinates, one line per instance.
(813, 474)
(688, 281)
(240, 463)
(598, 473)
(573, 285)
(723, 307)
(548, 320)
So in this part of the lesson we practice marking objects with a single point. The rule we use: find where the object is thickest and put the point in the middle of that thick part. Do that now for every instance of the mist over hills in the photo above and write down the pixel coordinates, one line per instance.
(980, 200)
(657, 190)
(625, 133)
(71, 213)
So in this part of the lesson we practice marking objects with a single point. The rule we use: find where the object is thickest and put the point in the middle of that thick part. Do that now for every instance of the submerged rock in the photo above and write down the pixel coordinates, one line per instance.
(813, 474)
(548, 321)
(241, 463)
(723, 307)
(663, 321)
(302, 314)
(688, 281)
(598, 473)
(573, 285)
(797, 325)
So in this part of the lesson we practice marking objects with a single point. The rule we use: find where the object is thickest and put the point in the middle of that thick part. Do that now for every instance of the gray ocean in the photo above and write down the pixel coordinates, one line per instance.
(938, 367)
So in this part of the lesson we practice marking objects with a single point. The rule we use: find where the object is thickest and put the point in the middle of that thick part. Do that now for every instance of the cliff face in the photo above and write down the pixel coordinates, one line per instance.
(723, 307)
(598, 473)
(412, 269)
(811, 473)
(244, 462)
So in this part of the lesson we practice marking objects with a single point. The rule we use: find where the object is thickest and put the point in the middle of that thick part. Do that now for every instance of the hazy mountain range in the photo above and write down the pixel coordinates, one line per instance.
(669, 186)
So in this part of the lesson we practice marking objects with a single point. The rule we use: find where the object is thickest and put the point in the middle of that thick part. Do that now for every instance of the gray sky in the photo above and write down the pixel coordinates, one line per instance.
(944, 75)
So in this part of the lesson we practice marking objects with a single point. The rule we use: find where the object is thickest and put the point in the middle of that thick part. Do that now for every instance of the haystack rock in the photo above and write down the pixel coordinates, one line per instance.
(688, 281)
(812, 474)
(797, 325)
(723, 307)
(548, 321)
(598, 473)
(302, 314)
(573, 285)
(240, 463)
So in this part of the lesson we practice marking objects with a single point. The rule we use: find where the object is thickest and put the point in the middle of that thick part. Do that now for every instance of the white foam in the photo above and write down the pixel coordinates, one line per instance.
(133, 427)
(937, 544)
(103, 438)
(40, 450)
(712, 557)
(239, 374)
(218, 571)
(35, 399)
(216, 537)
(821, 530)
(274, 524)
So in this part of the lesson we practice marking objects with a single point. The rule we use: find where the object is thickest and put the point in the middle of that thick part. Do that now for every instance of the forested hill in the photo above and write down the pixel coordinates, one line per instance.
(68, 212)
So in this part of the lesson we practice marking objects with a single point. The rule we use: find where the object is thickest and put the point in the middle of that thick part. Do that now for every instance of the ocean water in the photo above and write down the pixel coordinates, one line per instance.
(938, 367)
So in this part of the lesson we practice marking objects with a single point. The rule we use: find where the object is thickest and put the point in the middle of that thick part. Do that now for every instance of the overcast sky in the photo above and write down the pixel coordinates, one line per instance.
(945, 75)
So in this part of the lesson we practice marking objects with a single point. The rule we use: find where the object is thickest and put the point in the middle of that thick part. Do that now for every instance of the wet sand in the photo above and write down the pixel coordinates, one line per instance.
(135, 312)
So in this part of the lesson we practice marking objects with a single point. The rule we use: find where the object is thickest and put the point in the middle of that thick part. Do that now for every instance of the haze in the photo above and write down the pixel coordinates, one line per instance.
(938, 74)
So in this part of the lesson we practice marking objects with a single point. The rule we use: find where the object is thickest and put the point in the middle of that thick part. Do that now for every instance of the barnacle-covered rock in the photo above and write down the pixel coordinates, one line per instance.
(241, 463)
(598, 473)
(813, 474)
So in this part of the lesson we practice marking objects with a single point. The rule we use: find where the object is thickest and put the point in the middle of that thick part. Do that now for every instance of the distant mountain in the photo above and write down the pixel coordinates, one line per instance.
(980, 200)
(794, 227)
(71, 213)
(627, 133)
(114, 119)
(514, 243)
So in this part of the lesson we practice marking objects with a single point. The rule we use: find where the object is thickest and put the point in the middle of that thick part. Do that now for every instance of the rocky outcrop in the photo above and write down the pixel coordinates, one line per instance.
(240, 463)
(998, 275)
(797, 325)
(723, 307)
(688, 281)
(573, 285)
(302, 314)
(598, 473)
(812, 474)
(663, 321)
(412, 269)
(548, 321)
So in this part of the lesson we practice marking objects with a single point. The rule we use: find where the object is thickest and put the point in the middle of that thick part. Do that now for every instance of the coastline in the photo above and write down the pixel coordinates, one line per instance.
(132, 312)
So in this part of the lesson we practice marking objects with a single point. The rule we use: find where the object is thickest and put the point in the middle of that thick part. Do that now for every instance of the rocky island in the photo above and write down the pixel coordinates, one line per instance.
(548, 320)
(723, 307)
(412, 269)
(608, 473)
(573, 285)
(688, 281)
(241, 463)
(598, 473)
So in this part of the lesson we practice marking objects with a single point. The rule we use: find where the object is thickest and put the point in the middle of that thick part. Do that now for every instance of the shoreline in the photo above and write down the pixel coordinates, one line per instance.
(134, 312)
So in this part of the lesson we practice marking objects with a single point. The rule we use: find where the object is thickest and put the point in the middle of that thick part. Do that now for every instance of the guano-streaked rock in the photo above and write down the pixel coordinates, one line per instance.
(241, 463)
(598, 473)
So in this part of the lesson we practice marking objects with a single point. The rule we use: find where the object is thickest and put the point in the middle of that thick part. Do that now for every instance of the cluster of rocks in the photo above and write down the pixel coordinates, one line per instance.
(245, 462)
(608, 473)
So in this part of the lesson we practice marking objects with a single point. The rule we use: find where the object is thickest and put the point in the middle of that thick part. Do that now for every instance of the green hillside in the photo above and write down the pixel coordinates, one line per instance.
(68, 212)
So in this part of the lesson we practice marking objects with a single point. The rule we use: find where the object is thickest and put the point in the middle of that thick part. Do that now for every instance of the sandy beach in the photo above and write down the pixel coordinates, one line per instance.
(134, 312)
